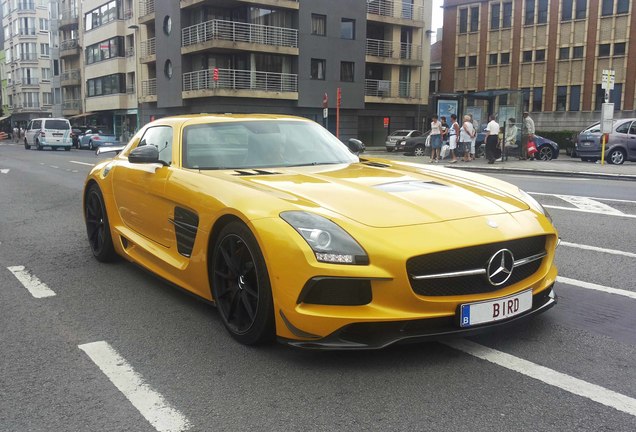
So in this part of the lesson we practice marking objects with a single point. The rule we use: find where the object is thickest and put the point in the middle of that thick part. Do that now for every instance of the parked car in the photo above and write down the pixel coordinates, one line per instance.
(620, 144)
(546, 149)
(376, 254)
(400, 134)
(415, 146)
(76, 134)
(94, 138)
(48, 132)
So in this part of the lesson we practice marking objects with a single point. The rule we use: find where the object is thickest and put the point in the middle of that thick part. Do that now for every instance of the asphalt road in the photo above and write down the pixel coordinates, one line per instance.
(572, 368)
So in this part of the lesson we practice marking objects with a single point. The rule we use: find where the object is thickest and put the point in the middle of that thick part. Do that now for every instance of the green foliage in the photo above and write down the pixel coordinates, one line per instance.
(560, 137)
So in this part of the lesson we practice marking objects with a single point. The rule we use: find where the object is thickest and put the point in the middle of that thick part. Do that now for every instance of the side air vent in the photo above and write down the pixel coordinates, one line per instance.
(186, 224)
(377, 164)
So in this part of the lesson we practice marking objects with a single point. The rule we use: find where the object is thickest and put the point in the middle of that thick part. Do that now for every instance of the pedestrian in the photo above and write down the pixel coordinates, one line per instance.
(510, 140)
(465, 137)
(444, 130)
(527, 134)
(453, 136)
(492, 136)
(472, 141)
(436, 139)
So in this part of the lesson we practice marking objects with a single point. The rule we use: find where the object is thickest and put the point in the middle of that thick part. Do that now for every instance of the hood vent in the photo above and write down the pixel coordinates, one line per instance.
(254, 172)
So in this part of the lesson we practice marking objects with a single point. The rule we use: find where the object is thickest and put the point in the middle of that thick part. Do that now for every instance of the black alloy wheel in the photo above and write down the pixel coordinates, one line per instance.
(97, 227)
(240, 285)
(545, 153)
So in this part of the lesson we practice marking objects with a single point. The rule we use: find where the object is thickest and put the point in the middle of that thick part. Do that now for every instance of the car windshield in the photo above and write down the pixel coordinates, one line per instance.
(595, 128)
(57, 124)
(400, 133)
(261, 144)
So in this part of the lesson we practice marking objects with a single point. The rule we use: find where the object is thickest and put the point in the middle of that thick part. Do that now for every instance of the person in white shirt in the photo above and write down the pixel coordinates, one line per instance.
(510, 141)
(466, 135)
(436, 139)
(492, 136)
(453, 133)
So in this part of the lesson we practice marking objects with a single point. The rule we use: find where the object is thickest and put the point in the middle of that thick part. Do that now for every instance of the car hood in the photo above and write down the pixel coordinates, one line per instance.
(381, 195)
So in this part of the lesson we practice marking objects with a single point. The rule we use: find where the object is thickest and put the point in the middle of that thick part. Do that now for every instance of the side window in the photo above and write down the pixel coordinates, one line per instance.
(37, 124)
(632, 130)
(160, 137)
(416, 134)
(624, 128)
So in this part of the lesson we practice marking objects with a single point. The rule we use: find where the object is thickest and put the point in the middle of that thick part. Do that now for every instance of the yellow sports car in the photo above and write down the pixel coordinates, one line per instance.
(293, 236)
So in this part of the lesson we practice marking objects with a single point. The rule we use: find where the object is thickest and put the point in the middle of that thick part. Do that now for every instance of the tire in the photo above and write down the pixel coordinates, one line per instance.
(419, 150)
(67, 149)
(545, 153)
(26, 145)
(37, 145)
(616, 157)
(241, 287)
(97, 226)
(390, 149)
(90, 145)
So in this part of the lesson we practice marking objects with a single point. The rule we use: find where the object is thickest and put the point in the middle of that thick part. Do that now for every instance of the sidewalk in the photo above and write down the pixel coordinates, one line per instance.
(563, 166)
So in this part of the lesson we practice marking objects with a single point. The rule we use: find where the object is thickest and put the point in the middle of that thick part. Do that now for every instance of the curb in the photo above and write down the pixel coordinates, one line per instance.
(579, 174)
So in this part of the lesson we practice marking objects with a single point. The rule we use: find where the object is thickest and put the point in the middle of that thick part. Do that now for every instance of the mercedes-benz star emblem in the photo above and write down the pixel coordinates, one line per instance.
(500, 267)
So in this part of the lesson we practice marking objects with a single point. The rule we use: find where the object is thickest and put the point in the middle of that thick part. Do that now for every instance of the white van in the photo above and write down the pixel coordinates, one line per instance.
(48, 132)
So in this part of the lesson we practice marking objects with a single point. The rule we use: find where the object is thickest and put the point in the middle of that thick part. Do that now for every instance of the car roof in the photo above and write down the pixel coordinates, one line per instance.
(224, 118)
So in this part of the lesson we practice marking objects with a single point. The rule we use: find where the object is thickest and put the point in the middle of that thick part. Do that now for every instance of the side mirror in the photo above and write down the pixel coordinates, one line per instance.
(355, 146)
(144, 154)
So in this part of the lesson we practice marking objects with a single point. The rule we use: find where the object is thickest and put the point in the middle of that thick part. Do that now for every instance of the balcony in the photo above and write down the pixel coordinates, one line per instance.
(196, 36)
(68, 19)
(70, 78)
(29, 57)
(26, 107)
(148, 91)
(286, 4)
(29, 82)
(148, 51)
(23, 6)
(394, 10)
(146, 11)
(394, 52)
(380, 90)
(71, 107)
(69, 47)
(240, 83)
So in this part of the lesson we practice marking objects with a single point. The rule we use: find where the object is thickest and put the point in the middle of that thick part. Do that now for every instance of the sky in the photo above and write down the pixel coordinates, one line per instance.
(437, 18)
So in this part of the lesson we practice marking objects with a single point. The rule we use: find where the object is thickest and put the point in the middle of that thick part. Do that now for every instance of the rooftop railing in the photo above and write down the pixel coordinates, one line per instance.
(391, 89)
(239, 32)
(240, 80)
(396, 9)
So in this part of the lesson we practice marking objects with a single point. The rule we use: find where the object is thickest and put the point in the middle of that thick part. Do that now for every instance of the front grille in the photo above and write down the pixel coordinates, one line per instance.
(470, 258)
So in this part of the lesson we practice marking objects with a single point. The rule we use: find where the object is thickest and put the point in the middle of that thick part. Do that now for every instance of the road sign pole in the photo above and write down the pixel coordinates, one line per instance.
(338, 100)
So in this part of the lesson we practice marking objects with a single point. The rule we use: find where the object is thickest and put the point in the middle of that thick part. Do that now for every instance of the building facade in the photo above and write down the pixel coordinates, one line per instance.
(284, 56)
(28, 63)
(555, 51)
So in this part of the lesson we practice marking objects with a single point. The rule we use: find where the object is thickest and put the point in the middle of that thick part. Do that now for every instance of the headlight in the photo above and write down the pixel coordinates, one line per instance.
(534, 204)
(402, 142)
(329, 242)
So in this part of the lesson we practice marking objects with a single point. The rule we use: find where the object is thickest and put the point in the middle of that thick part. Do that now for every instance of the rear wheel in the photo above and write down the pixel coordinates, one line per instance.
(545, 153)
(67, 148)
(419, 150)
(26, 144)
(97, 226)
(241, 287)
(37, 145)
(90, 145)
(616, 157)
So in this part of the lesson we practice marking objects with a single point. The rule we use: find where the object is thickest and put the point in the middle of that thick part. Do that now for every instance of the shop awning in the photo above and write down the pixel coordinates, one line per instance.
(81, 115)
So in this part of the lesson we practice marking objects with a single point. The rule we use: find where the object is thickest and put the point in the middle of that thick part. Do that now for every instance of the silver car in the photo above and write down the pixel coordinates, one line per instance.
(619, 146)
(399, 135)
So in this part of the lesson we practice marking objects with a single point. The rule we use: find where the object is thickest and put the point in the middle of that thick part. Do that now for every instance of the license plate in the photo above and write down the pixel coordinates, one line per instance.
(495, 310)
(586, 143)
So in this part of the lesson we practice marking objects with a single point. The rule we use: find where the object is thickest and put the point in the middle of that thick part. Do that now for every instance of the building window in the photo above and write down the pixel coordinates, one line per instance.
(492, 59)
(604, 50)
(507, 15)
(600, 97)
(347, 71)
(577, 52)
(44, 24)
(561, 98)
(615, 96)
(347, 28)
(529, 12)
(106, 85)
(45, 50)
(526, 56)
(495, 12)
(539, 55)
(46, 74)
(622, 6)
(503, 100)
(47, 98)
(581, 9)
(537, 98)
(463, 21)
(102, 15)
(619, 49)
(105, 50)
(318, 25)
(318, 67)
(564, 53)
(505, 58)
(472, 61)
(474, 19)
(566, 10)
(461, 62)
(542, 12)
(607, 8)
(575, 98)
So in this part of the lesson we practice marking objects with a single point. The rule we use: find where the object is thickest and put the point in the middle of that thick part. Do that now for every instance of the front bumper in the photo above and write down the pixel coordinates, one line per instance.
(377, 335)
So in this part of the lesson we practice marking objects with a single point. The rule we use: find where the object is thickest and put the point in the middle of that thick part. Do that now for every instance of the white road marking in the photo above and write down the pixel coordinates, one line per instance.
(35, 286)
(82, 163)
(148, 402)
(534, 177)
(53, 166)
(593, 198)
(4, 171)
(585, 203)
(588, 211)
(598, 249)
(593, 286)
(549, 376)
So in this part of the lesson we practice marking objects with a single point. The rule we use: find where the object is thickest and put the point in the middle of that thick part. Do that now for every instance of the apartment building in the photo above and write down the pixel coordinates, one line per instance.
(28, 65)
(554, 51)
(288, 56)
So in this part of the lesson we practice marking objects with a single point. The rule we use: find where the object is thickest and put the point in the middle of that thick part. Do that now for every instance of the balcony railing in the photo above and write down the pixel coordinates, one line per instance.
(130, 51)
(68, 14)
(240, 80)
(71, 105)
(146, 7)
(70, 75)
(149, 87)
(148, 47)
(29, 56)
(239, 32)
(391, 89)
(69, 44)
(29, 82)
(130, 89)
(396, 9)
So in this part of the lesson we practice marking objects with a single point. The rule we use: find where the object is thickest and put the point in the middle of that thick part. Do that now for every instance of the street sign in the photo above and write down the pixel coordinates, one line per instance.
(607, 117)
(607, 79)
(325, 112)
